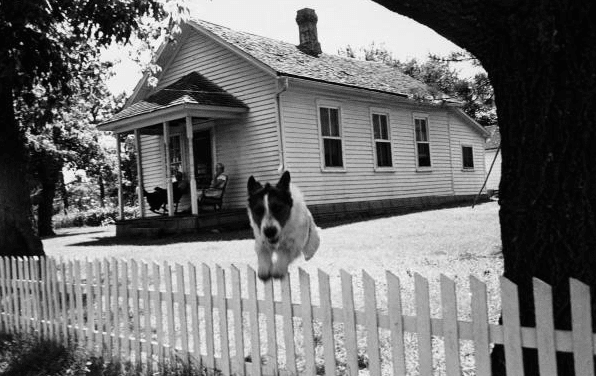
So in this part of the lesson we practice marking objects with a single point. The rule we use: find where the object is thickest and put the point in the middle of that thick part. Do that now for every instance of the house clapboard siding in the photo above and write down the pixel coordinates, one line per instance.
(494, 178)
(245, 145)
(154, 174)
(359, 181)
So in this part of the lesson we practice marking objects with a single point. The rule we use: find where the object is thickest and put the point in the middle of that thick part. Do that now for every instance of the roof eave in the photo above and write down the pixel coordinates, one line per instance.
(170, 113)
(479, 128)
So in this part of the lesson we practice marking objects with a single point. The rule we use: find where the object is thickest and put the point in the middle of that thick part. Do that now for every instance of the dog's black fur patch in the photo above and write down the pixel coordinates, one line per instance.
(279, 198)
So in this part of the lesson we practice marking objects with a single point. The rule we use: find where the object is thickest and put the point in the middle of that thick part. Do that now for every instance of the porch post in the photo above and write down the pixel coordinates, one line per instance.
(140, 185)
(191, 175)
(120, 196)
(169, 187)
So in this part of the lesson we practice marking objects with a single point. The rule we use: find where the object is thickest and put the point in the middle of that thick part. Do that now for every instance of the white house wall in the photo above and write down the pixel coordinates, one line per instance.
(152, 160)
(244, 146)
(494, 179)
(360, 181)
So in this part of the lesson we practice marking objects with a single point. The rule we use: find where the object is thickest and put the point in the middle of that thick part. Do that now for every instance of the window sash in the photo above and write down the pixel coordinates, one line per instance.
(332, 147)
(467, 157)
(421, 130)
(383, 152)
(380, 127)
(423, 149)
(329, 121)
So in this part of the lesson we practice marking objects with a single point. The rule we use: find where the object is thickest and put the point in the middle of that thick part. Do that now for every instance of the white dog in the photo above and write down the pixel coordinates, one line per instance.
(282, 225)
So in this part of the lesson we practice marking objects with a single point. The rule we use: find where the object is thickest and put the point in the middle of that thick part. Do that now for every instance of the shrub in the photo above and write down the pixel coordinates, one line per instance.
(94, 217)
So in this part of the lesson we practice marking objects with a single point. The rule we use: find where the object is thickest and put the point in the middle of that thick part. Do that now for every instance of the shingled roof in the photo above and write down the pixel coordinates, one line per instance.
(190, 89)
(286, 59)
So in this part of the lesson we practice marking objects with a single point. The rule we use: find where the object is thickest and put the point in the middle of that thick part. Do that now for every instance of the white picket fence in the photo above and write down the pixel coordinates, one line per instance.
(124, 310)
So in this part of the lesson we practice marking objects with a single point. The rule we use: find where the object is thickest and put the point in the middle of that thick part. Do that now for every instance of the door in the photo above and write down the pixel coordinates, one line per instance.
(203, 160)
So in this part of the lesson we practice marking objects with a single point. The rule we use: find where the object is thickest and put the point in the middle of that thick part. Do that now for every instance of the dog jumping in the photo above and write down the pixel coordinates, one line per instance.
(282, 225)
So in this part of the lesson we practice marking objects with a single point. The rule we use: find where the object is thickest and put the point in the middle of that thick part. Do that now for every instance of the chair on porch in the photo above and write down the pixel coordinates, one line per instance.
(213, 196)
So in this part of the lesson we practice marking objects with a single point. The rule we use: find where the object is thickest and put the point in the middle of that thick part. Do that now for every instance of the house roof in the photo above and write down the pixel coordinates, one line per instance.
(494, 140)
(287, 60)
(190, 89)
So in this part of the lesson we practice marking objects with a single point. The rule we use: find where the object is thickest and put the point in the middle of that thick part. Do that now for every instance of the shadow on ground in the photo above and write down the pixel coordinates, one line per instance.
(207, 236)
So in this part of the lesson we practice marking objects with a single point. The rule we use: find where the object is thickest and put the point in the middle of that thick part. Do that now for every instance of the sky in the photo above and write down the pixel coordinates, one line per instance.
(357, 23)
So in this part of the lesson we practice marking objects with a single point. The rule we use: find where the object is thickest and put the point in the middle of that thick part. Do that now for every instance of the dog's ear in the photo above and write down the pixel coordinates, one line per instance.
(253, 185)
(284, 181)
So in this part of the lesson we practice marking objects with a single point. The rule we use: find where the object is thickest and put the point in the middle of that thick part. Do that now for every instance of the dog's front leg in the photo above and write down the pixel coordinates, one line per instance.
(281, 259)
(264, 260)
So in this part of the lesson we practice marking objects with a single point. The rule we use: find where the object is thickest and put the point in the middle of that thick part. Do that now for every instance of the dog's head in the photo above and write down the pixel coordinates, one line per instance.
(270, 206)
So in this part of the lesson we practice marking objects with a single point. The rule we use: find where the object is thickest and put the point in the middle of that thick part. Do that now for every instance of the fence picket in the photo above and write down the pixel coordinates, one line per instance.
(147, 315)
(194, 312)
(545, 328)
(79, 301)
(327, 328)
(108, 311)
(396, 324)
(55, 295)
(208, 296)
(423, 328)
(222, 308)
(271, 325)
(169, 301)
(511, 328)
(90, 308)
(99, 338)
(136, 320)
(253, 311)
(70, 294)
(25, 286)
(288, 325)
(116, 306)
(581, 324)
(158, 313)
(37, 292)
(372, 331)
(15, 294)
(480, 327)
(126, 343)
(310, 367)
(449, 303)
(238, 365)
(45, 332)
(347, 291)
(63, 305)
(181, 302)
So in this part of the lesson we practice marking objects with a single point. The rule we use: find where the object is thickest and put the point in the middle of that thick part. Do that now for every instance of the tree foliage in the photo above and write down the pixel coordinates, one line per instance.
(476, 93)
(43, 45)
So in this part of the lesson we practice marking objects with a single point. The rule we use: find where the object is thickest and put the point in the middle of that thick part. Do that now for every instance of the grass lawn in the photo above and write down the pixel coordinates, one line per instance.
(456, 242)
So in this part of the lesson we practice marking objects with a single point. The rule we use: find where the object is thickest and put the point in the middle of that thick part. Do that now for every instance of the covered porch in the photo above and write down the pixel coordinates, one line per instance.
(175, 147)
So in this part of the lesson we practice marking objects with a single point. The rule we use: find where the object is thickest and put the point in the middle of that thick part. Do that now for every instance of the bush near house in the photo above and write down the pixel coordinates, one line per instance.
(93, 217)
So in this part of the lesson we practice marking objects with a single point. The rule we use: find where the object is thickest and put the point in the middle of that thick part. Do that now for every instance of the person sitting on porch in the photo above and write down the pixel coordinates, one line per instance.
(217, 186)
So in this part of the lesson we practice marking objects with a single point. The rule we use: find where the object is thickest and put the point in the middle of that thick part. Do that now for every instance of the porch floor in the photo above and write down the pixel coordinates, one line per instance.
(183, 223)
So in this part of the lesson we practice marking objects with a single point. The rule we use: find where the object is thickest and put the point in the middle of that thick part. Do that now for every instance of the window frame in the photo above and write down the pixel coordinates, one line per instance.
(463, 167)
(333, 105)
(382, 112)
(422, 116)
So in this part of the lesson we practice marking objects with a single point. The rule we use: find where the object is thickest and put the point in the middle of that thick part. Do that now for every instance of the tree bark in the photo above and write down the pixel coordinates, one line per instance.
(63, 192)
(48, 172)
(540, 59)
(17, 237)
(102, 190)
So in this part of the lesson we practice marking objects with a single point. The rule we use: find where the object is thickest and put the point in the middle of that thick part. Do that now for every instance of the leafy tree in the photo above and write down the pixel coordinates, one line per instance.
(540, 57)
(39, 41)
(476, 93)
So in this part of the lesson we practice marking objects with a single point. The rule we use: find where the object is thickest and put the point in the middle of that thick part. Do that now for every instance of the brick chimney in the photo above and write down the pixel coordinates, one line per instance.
(307, 27)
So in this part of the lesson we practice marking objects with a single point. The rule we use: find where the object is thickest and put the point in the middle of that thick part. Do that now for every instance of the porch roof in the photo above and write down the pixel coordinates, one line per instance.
(192, 95)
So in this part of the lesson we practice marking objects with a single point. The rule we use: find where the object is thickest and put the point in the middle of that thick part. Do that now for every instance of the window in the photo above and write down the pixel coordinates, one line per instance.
(331, 134)
(175, 155)
(382, 140)
(467, 155)
(422, 141)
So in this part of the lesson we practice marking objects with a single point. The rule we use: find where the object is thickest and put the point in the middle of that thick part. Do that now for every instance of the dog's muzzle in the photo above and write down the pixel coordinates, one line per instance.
(271, 234)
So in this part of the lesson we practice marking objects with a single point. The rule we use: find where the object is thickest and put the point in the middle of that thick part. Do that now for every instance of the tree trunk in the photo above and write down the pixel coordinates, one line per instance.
(17, 237)
(48, 172)
(63, 192)
(540, 59)
(102, 190)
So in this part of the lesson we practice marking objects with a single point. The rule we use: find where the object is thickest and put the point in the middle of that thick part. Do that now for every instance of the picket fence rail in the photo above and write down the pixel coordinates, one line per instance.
(120, 310)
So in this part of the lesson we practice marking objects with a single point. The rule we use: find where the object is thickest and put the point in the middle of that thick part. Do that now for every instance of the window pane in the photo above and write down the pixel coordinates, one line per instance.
(467, 156)
(376, 126)
(324, 116)
(334, 121)
(423, 154)
(421, 130)
(333, 157)
(384, 154)
(384, 128)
